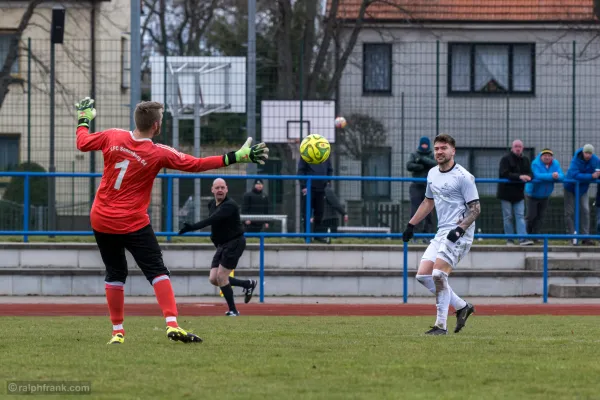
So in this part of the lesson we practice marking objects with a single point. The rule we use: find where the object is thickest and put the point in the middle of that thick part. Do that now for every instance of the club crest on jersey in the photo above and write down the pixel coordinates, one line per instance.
(440, 192)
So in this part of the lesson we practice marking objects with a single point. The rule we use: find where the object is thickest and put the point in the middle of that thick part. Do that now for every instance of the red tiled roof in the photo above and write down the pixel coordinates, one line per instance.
(471, 10)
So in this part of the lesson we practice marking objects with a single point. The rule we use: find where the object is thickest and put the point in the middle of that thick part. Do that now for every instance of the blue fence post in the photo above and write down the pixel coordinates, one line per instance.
(169, 206)
(405, 275)
(261, 268)
(308, 208)
(576, 211)
(545, 269)
(26, 209)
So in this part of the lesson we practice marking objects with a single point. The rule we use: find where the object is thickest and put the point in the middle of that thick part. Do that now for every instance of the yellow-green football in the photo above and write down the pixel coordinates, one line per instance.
(315, 149)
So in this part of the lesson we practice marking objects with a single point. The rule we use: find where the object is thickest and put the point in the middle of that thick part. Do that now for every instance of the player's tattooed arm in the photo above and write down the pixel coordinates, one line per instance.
(474, 209)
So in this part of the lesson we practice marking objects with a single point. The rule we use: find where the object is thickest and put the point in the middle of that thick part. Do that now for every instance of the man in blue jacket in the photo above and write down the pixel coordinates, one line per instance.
(583, 169)
(546, 169)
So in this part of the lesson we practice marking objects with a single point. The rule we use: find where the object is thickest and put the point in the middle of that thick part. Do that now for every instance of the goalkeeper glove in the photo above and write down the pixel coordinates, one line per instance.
(258, 154)
(85, 112)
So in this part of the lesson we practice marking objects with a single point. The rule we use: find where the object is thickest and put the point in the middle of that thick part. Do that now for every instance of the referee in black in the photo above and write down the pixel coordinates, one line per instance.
(227, 235)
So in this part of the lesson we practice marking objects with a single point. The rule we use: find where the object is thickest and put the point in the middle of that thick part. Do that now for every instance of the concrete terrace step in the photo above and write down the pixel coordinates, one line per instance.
(574, 290)
(563, 264)
(394, 246)
(289, 272)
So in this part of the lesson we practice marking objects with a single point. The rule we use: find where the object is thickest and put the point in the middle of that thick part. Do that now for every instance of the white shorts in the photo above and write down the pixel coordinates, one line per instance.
(442, 248)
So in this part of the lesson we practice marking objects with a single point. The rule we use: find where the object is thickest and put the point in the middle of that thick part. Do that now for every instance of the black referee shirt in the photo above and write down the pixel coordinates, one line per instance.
(224, 220)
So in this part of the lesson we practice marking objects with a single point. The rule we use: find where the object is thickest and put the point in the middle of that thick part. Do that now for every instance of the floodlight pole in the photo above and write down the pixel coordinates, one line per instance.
(135, 69)
(251, 84)
(56, 37)
(197, 127)
(175, 144)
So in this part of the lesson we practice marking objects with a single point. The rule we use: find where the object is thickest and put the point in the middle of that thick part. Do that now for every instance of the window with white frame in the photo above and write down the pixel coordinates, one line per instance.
(5, 39)
(491, 68)
(377, 68)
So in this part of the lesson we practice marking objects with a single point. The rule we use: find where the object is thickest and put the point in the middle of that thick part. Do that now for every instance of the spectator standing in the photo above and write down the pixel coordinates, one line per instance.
(255, 202)
(597, 204)
(317, 194)
(333, 207)
(517, 168)
(582, 169)
(546, 169)
(419, 164)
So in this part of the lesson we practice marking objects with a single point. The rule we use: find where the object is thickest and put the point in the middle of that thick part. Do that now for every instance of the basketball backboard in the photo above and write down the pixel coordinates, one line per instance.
(221, 83)
(280, 120)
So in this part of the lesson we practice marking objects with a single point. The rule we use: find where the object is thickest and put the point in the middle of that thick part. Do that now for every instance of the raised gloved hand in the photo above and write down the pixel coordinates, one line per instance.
(408, 233)
(186, 228)
(85, 112)
(258, 154)
(455, 234)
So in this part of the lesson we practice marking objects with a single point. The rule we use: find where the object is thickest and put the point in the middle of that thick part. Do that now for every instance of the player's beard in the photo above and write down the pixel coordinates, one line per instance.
(445, 161)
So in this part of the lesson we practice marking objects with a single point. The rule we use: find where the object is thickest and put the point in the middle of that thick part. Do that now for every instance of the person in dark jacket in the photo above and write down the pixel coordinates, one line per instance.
(333, 207)
(547, 170)
(255, 202)
(419, 163)
(515, 167)
(227, 235)
(583, 169)
(317, 189)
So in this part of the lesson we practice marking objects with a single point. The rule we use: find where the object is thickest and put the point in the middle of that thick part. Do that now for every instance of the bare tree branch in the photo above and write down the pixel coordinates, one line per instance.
(362, 133)
(310, 17)
(285, 79)
(145, 25)
(63, 90)
(348, 50)
(13, 49)
(177, 26)
(324, 49)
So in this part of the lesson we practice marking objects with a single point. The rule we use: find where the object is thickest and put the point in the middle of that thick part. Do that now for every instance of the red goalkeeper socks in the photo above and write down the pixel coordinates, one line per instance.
(115, 298)
(166, 299)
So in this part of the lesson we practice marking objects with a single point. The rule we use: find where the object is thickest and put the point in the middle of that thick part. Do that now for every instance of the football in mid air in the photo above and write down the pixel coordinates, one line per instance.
(315, 149)
(340, 122)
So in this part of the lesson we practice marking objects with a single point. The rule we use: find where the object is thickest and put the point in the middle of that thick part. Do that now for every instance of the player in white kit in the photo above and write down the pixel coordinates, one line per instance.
(451, 190)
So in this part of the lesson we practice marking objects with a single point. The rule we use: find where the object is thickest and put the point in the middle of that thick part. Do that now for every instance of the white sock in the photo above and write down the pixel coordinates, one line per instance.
(442, 294)
(118, 327)
(455, 301)
(171, 319)
(427, 281)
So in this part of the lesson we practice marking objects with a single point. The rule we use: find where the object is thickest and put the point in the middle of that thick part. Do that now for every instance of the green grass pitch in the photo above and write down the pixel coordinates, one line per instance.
(539, 357)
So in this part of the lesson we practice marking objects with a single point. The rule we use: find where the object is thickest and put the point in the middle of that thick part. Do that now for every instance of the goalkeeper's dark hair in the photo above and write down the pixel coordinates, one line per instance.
(445, 138)
(146, 114)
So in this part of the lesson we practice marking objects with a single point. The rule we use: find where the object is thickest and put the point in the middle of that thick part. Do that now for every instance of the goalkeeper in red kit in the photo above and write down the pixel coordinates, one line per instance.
(119, 216)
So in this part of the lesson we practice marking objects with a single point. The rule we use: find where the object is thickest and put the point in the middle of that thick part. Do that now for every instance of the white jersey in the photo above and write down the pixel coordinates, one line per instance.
(451, 190)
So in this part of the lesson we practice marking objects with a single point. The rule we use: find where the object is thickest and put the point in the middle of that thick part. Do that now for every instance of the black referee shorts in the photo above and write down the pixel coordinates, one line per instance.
(228, 254)
(142, 245)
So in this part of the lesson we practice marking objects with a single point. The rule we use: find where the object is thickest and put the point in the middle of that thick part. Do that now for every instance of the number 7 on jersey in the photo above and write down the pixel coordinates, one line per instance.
(123, 167)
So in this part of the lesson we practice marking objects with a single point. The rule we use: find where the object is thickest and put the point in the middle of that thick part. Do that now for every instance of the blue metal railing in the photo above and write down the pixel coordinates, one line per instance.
(308, 234)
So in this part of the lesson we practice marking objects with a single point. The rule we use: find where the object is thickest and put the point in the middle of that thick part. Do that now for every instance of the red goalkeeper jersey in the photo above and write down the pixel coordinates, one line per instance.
(130, 167)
